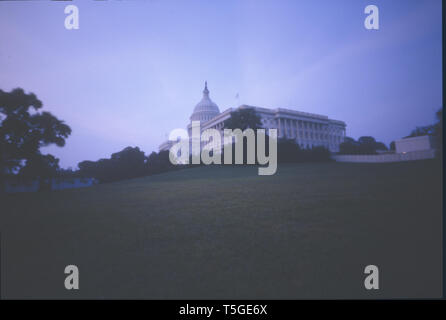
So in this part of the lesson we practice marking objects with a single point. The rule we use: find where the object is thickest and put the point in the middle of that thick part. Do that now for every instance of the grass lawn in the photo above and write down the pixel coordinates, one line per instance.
(225, 232)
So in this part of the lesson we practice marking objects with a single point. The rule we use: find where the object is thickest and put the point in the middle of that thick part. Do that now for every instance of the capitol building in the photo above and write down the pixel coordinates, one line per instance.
(308, 130)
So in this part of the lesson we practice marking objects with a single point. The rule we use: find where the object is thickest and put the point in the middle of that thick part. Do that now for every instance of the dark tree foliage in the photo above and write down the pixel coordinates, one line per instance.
(368, 145)
(40, 166)
(318, 154)
(434, 130)
(67, 173)
(243, 119)
(420, 131)
(88, 168)
(364, 145)
(159, 162)
(125, 164)
(24, 130)
(349, 146)
(129, 163)
(392, 146)
(245, 151)
(290, 152)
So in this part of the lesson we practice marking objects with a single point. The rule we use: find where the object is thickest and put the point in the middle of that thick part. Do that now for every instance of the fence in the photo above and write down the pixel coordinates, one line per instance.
(386, 157)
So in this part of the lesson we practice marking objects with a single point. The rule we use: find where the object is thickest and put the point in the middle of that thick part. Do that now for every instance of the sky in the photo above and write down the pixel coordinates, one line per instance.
(135, 69)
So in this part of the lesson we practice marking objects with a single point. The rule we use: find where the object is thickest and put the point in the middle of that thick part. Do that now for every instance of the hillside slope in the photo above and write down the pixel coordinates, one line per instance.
(225, 232)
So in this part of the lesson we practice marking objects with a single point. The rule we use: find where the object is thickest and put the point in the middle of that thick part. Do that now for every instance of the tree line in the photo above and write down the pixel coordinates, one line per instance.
(25, 129)
(368, 145)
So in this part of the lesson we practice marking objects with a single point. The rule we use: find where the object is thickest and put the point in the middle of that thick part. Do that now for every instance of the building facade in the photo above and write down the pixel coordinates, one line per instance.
(308, 130)
(413, 144)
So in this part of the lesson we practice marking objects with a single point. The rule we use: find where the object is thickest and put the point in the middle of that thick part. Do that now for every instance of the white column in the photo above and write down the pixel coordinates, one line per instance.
(294, 128)
(286, 127)
(297, 131)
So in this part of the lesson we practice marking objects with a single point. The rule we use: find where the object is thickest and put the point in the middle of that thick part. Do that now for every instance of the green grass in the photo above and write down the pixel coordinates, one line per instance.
(225, 232)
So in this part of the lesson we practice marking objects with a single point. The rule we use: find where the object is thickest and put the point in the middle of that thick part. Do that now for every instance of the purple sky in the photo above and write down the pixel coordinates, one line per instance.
(135, 69)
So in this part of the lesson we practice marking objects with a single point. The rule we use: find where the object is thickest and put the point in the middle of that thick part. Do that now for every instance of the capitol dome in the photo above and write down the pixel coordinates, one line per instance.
(206, 109)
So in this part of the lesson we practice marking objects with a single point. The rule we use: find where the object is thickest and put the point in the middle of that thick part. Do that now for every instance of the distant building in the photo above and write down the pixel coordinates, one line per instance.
(413, 144)
(306, 129)
(407, 149)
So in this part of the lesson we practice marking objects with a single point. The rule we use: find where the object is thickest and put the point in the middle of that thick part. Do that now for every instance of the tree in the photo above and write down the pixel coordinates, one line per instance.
(434, 130)
(364, 145)
(392, 146)
(380, 146)
(24, 130)
(126, 164)
(318, 154)
(367, 145)
(288, 151)
(159, 162)
(349, 146)
(42, 167)
(420, 131)
(87, 169)
(243, 119)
